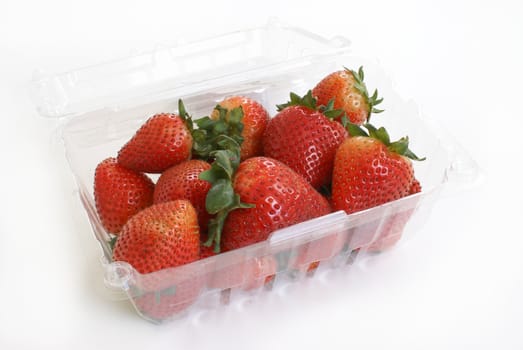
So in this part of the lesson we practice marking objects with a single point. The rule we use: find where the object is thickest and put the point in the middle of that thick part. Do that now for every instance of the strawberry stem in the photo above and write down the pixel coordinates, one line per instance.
(187, 119)
(360, 85)
(218, 140)
(206, 137)
(221, 198)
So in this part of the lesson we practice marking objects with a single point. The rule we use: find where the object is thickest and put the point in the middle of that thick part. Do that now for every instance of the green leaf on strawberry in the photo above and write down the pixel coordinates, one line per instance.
(182, 112)
(296, 100)
(309, 101)
(207, 136)
(221, 198)
(400, 147)
(372, 100)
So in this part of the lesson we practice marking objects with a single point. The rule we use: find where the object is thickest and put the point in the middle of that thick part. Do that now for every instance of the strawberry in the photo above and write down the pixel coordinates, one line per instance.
(162, 141)
(415, 187)
(120, 193)
(160, 236)
(370, 170)
(305, 138)
(255, 119)
(182, 181)
(349, 93)
(279, 198)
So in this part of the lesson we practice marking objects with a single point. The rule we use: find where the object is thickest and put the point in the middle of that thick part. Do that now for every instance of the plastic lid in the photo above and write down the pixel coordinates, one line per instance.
(181, 70)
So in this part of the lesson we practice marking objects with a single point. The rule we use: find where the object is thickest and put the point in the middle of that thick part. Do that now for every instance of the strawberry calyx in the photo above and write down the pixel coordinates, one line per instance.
(309, 101)
(372, 100)
(400, 146)
(206, 137)
(221, 198)
(306, 100)
(186, 117)
(218, 140)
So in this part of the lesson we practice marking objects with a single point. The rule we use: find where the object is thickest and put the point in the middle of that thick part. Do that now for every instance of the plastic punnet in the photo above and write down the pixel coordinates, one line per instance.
(103, 105)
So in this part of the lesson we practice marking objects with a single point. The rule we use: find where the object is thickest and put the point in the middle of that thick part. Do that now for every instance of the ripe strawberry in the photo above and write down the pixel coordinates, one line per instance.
(160, 236)
(163, 141)
(255, 119)
(371, 170)
(120, 193)
(182, 181)
(415, 187)
(305, 138)
(280, 197)
(349, 92)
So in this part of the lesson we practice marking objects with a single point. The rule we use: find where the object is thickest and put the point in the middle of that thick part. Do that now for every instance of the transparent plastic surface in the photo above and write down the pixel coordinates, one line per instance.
(104, 105)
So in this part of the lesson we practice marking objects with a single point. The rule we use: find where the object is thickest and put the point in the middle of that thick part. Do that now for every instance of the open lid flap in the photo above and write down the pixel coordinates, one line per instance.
(181, 70)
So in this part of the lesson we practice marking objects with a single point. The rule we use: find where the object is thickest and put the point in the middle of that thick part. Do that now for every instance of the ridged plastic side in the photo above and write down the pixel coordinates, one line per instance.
(287, 256)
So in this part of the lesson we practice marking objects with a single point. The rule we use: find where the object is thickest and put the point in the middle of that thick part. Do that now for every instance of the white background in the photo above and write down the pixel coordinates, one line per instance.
(457, 284)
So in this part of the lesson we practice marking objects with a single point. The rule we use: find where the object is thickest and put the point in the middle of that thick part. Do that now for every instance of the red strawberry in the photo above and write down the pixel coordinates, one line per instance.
(163, 141)
(415, 187)
(160, 236)
(255, 119)
(280, 197)
(305, 139)
(349, 93)
(370, 171)
(182, 182)
(120, 193)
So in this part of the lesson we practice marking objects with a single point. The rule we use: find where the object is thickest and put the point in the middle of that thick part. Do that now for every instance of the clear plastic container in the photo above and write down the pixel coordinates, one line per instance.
(103, 105)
